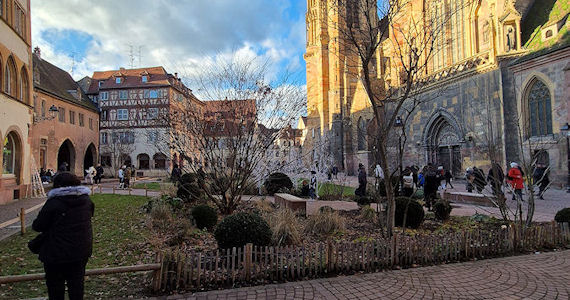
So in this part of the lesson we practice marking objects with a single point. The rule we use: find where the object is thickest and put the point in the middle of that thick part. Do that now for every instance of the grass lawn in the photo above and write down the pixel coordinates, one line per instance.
(155, 186)
(119, 239)
(328, 188)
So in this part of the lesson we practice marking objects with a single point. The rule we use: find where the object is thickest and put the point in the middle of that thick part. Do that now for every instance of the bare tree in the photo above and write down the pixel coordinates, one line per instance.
(229, 133)
(118, 148)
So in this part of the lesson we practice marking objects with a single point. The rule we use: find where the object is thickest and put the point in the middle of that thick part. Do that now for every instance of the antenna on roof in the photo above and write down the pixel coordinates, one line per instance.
(140, 56)
(72, 63)
(131, 57)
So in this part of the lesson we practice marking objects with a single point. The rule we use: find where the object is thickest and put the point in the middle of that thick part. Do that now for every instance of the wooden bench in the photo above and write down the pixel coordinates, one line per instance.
(468, 198)
(294, 203)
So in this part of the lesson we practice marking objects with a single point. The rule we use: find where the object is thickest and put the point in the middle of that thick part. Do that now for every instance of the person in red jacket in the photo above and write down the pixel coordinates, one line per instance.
(515, 179)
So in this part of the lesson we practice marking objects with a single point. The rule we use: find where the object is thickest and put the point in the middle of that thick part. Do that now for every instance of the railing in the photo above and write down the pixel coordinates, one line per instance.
(253, 264)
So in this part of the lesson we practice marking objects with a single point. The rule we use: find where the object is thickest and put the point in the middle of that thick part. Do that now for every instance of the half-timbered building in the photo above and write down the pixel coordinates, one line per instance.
(134, 106)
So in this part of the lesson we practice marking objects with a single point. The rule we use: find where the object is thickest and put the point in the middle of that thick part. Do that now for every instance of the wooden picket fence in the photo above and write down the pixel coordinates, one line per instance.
(253, 264)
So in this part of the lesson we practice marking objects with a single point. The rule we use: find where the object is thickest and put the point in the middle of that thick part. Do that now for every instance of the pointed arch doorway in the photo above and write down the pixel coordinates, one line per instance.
(66, 157)
(443, 142)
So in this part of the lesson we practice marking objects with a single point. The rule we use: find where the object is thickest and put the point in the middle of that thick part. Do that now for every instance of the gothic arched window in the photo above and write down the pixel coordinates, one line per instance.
(539, 109)
(11, 78)
(361, 134)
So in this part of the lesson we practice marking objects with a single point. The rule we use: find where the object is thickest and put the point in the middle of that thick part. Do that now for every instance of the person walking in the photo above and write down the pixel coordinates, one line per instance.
(362, 181)
(448, 179)
(479, 179)
(91, 172)
(431, 184)
(378, 176)
(64, 223)
(121, 176)
(99, 174)
(176, 173)
(128, 174)
(495, 178)
(313, 185)
(515, 178)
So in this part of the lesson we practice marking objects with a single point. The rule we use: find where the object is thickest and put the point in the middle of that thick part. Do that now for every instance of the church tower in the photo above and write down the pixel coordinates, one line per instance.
(337, 105)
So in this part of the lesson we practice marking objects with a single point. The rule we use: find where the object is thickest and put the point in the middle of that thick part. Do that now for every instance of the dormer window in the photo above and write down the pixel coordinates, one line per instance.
(118, 80)
(144, 78)
(100, 83)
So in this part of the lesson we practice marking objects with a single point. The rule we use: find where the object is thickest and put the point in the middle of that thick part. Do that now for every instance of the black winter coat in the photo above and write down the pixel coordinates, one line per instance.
(65, 219)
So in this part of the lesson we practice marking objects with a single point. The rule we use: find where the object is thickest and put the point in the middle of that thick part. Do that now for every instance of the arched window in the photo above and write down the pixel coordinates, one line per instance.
(11, 78)
(539, 109)
(24, 87)
(361, 134)
(143, 160)
(10, 154)
(43, 108)
(159, 161)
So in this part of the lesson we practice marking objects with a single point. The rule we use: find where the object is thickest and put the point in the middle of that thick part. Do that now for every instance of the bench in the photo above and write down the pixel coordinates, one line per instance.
(468, 198)
(291, 202)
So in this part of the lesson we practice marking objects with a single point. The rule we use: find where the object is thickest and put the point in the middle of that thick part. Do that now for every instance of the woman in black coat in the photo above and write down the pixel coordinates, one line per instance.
(65, 222)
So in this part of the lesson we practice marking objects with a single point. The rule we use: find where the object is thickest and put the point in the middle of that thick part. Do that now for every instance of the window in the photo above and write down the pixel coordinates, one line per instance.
(104, 138)
(104, 95)
(153, 94)
(90, 123)
(126, 137)
(19, 21)
(10, 154)
(2, 8)
(152, 113)
(361, 134)
(144, 161)
(106, 160)
(540, 111)
(24, 87)
(118, 80)
(159, 161)
(81, 120)
(104, 115)
(71, 117)
(101, 83)
(11, 78)
(61, 114)
(549, 33)
(123, 94)
(122, 114)
(144, 78)
(43, 108)
(152, 136)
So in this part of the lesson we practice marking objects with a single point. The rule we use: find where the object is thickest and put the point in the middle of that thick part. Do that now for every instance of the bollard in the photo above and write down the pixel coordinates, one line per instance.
(113, 190)
(23, 220)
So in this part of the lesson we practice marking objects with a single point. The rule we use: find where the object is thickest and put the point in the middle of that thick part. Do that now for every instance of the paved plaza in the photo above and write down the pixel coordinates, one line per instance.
(533, 276)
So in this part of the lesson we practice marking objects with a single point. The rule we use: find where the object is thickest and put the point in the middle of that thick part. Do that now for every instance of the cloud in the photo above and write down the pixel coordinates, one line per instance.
(175, 34)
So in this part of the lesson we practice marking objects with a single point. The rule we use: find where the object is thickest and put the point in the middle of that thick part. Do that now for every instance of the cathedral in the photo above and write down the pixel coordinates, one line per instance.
(496, 87)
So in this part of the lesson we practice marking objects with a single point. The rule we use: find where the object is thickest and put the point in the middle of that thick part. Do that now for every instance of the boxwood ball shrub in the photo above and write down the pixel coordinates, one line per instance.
(241, 228)
(205, 216)
(277, 181)
(563, 215)
(415, 214)
(442, 209)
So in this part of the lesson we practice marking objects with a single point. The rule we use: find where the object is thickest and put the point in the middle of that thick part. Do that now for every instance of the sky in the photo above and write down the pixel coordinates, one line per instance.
(83, 36)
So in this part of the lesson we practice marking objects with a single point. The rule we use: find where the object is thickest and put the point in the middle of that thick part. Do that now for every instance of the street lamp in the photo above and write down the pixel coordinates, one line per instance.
(399, 123)
(52, 113)
(566, 129)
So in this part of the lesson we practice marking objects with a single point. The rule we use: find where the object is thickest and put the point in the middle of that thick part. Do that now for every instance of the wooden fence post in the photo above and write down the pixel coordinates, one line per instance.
(156, 274)
(113, 190)
(394, 249)
(23, 220)
(247, 261)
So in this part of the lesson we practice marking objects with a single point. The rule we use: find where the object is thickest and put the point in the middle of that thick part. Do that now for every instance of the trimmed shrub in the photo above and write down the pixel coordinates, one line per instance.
(415, 212)
(205, 216)
(442, 209)
(325, 223)
(285, 227)
(365, 200)
(368, 214)
(241, 228)
(382, 186)
(276, 182)
(189, 192)
(563, 215)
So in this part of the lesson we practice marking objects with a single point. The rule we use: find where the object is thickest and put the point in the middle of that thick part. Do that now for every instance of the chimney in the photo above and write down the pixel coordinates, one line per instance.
(176, 75)
(38, 52)
(121, 69)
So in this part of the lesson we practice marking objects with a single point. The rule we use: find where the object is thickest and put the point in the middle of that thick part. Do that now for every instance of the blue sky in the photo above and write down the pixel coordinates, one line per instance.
(86, 36)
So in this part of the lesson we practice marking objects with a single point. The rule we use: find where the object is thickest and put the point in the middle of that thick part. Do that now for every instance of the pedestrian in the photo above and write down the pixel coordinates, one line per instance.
(335, 172)
(378, 176)
(430, 186)
(515, 178)
(408, 185)
(66, 237)
(479, 179)
(99, 174)
(540, 177)
(421, 177)
(128, 174)
(448, 179)
(441, 177)
(470, 178)
(91, 172)
(313, 186)
(362, 181)
(495, 178)
(121, 176)
(63, 167)
(176, 173)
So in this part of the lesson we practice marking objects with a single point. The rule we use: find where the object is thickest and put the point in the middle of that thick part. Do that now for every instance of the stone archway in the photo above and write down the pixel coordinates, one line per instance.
(443, 141)
(66, 155)
(90, 157)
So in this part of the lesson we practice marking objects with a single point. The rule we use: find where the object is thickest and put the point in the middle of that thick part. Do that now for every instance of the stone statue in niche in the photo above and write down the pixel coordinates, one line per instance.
(510, 38)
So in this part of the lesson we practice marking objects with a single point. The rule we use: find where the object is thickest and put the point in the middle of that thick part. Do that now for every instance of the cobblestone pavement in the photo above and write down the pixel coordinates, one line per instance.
(535, 276)
(11, 211)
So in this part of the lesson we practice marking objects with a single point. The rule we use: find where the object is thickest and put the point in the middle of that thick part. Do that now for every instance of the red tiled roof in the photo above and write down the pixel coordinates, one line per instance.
(131, 78)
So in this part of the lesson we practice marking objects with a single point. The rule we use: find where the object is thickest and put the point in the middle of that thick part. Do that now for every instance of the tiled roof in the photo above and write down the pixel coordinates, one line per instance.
(57, 82)
(228, 109)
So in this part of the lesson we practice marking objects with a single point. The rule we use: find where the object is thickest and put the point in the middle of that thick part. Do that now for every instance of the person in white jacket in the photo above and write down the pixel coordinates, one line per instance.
(91, 172)
(121, 177)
